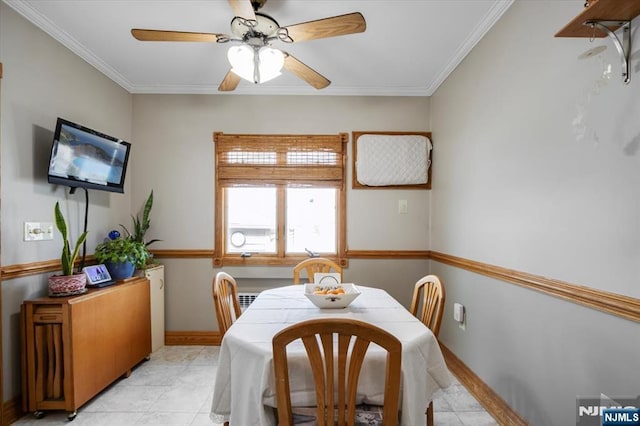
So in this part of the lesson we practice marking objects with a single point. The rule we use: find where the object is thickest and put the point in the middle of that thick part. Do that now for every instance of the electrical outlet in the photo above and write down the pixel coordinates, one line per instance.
(459, 315)
(38, 231)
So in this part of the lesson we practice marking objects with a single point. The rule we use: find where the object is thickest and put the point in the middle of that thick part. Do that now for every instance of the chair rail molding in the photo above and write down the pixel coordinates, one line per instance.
(623, 306)
(612, 303)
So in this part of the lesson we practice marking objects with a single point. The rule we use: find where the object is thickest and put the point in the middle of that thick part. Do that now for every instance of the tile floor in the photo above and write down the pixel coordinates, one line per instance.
(175, 387)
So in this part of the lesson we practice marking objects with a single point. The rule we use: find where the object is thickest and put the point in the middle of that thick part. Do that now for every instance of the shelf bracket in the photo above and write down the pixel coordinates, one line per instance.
(623, 47)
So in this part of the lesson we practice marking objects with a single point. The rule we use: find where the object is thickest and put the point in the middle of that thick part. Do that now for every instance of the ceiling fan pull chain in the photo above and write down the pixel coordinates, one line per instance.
(256, 66)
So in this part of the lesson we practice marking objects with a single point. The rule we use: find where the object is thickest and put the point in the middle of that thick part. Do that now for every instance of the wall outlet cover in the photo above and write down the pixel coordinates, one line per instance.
(458, 312)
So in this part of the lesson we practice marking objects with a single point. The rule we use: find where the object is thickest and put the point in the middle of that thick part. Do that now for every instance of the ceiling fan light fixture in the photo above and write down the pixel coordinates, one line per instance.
(241, 59)
(270, 62)
(255, 65)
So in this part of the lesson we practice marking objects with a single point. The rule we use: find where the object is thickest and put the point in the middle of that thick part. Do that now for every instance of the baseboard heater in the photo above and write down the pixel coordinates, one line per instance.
(246, 299)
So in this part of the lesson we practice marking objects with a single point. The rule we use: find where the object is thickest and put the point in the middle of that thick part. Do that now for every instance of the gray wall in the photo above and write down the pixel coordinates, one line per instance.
(538, 170)
(176, 134)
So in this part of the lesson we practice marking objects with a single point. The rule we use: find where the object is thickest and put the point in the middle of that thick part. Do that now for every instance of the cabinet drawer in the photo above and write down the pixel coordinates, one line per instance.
(47, 314)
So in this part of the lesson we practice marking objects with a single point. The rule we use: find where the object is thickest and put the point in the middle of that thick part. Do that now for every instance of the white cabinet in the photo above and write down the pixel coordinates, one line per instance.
(155, 275)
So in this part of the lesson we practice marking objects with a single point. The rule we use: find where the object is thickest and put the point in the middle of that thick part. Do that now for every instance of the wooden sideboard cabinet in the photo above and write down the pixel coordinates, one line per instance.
(74, 347)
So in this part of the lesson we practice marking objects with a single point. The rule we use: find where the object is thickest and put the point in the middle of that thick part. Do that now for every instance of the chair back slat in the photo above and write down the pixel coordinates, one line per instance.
(319, 377)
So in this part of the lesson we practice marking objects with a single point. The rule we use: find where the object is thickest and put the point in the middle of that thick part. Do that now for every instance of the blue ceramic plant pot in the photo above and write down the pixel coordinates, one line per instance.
(120, 270)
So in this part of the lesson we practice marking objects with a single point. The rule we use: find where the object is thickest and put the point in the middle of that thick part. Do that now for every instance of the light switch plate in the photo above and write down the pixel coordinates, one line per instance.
(38, 231)
(403, 207)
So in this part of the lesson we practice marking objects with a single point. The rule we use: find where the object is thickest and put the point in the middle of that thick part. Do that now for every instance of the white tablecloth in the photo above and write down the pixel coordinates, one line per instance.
(244, 390)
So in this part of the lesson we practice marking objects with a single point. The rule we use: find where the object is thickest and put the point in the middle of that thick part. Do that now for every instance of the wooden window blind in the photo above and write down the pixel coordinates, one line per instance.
(281, 159)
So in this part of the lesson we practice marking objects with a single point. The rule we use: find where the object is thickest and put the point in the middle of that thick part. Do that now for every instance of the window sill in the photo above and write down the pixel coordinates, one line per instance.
(270, 260)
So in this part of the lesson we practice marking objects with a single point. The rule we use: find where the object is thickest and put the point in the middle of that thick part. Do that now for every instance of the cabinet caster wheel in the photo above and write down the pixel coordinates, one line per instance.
(38, 414)
(72, 416)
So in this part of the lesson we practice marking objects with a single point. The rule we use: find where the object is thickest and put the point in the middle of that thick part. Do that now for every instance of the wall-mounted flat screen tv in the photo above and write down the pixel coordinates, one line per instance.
(85, 158)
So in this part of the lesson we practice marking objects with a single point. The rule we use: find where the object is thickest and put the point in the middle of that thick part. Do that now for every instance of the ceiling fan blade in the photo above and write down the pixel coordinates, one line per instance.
(230, 82)
(162, 35)
(243, 9)
(350, 23)
(305, 72)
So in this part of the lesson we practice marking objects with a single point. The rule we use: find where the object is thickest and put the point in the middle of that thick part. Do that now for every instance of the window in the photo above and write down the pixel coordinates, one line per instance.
(279, 197)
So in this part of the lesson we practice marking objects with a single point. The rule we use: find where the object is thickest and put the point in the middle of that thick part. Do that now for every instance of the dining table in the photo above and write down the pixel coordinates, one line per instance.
(244, 390)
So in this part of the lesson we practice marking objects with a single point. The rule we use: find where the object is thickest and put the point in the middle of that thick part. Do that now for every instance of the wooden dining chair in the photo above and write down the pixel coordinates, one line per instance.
(427, 303)
(225, 300)
(313, 265)
(352, 338)
(429, 295)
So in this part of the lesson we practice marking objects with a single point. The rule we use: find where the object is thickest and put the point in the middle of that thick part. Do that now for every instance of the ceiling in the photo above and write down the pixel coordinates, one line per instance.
(408, 49)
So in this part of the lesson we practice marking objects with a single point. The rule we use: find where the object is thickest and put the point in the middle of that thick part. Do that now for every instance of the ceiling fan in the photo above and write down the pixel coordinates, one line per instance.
(252, 56)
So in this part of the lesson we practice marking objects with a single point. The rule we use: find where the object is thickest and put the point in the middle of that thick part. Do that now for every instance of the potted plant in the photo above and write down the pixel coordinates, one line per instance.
(68, 282)
(121, 256)
(140, 226)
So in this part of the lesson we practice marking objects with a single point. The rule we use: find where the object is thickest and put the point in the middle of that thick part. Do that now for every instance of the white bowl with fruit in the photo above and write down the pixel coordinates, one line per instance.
(331, 296)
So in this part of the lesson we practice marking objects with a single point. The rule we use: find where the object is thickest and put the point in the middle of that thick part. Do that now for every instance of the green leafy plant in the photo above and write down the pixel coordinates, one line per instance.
(68, 258)
(140, 226)
(122, 250)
